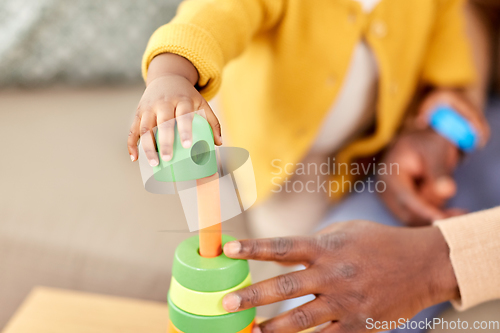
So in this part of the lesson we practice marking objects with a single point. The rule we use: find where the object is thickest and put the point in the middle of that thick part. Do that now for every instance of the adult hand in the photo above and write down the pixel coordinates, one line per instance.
(426, 161)
(357, 270)
(417, 192)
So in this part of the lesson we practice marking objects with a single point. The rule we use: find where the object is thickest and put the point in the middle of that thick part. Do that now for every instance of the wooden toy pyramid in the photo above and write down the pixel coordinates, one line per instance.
(201, 274)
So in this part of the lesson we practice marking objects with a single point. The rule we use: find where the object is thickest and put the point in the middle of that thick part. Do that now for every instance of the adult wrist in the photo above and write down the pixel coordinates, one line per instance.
(454, 127)
(442, 282)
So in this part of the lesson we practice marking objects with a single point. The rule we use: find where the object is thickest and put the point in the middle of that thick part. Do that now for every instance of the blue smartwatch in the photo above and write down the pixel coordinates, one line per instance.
(447, 122)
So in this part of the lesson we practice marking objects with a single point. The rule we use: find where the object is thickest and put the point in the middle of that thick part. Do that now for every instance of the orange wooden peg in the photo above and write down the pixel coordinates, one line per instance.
(209, 216)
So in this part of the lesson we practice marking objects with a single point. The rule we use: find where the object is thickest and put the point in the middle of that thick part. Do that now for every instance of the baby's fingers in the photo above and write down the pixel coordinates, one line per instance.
(213, 121)
(133, 137)
(166, 125)
(184, 113)
(148, 121)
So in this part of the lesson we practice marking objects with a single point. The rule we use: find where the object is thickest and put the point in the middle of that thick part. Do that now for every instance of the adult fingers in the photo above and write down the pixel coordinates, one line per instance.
(148, 121)
(133, 137)
(405, 201)
(438, 183)
(319, 328)
(184, 113)
(455, 211)
(166, 132)
(213, 121)
(421, 211)
(306, 316)
(273, 290)
(439, 190)
(343, 327)
(282, 249)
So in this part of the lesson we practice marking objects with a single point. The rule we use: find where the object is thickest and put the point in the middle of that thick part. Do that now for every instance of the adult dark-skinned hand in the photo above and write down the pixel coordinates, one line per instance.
(418, 193)
(357, 270)
(417, 190)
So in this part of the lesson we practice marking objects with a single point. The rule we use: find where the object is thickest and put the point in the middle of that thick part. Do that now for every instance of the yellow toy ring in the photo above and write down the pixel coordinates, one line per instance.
(202, 303)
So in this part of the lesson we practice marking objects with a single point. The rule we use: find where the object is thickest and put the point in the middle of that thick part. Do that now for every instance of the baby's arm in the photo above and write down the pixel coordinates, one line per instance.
(183, 66)
(170, 92)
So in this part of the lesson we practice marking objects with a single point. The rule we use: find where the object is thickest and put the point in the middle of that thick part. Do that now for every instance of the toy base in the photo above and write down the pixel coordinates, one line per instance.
(173, 329)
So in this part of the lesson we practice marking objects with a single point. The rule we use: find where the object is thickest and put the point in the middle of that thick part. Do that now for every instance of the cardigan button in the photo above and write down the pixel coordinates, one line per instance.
(379, 29)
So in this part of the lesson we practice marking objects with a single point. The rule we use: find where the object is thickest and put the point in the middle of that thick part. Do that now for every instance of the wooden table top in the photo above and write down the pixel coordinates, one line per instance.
(60, 311)
(48, 310)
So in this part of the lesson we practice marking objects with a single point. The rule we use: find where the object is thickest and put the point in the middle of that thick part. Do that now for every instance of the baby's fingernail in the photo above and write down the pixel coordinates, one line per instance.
(186, 141)
(166, 157)
(256, 329)
(231, 302)
(132, 158)
(232, 248)
(153, 163)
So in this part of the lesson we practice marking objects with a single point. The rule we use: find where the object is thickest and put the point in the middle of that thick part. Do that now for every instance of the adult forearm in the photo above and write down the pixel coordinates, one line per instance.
(474, 242)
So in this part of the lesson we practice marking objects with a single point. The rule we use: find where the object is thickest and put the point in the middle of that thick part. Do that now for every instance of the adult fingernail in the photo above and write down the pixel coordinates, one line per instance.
(231, 302)
(166, 157)
(256, 329)
(132, 158)
(153, 163)
(445, 187)
(232, 248)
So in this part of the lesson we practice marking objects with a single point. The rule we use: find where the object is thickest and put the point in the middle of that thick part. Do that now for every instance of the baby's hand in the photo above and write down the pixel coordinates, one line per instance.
(170, 93)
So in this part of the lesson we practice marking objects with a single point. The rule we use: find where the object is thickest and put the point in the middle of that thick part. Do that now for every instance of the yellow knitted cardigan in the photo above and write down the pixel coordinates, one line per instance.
(284, 63)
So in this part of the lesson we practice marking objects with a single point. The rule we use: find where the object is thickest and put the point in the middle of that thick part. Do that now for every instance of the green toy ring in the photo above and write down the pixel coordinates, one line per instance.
(195, 162)
(229, 323)
(196, 273)
(202, 303)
